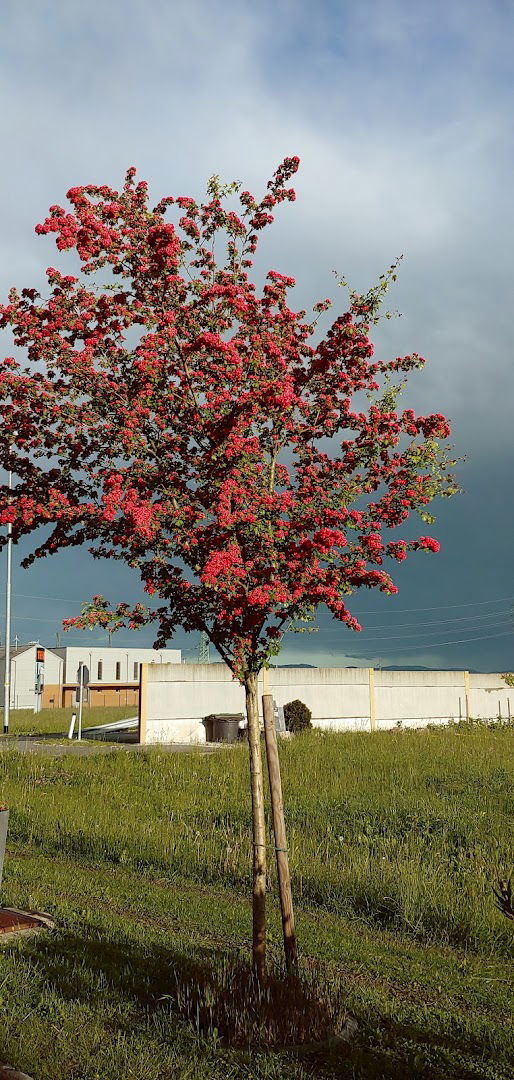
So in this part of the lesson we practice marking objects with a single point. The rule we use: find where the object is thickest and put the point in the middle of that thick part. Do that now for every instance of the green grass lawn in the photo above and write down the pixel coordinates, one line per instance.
(57, 721)
(144, 862)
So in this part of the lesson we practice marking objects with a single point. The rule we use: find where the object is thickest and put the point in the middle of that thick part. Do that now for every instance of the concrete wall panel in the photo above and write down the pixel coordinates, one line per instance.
(491, 703)
(429, 704)
(178, 697)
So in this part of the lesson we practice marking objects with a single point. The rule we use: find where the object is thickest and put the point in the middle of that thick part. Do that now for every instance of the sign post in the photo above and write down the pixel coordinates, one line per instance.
(280, 723)
(72, 725)
(83, 681)
(40, 678)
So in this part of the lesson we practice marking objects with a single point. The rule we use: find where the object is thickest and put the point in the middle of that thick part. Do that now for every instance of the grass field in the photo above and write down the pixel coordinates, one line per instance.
(143, 860)
(57, 721)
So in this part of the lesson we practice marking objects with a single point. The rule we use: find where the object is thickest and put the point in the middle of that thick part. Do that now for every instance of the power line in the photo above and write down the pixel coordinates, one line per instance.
(337, 630)
(383, 627)
(436, 644)
(32, 618)
(429, 633)
(400, 637)
(58, 599)
(400, 611)
(443, 607)
(436, 622)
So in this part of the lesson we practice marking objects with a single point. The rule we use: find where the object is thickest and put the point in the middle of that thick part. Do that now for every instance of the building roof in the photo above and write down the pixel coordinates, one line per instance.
(17, 650)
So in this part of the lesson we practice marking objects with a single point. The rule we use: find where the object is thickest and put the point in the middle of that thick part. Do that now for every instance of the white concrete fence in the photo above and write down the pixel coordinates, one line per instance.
(175, 698)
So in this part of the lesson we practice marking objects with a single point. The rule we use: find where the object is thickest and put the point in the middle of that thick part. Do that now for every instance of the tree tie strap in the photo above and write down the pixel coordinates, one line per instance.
(271, 846)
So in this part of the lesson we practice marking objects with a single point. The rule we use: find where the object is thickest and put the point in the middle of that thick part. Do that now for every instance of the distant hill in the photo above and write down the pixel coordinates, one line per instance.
(420, 667)
(389, 667)
(293, 665)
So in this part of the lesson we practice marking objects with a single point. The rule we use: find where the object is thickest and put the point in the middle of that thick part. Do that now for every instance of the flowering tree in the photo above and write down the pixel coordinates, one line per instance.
(175, 417)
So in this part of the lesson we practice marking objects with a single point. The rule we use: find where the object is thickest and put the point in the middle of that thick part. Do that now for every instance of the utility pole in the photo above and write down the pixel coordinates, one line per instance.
(81, 696)
(204, 656)
(8, 580)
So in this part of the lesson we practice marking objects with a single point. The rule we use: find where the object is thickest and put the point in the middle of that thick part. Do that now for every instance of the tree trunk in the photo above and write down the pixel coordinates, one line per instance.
(258, 829)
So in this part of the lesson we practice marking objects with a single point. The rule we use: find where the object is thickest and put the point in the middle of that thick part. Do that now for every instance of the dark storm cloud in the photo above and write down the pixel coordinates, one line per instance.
(401, 115)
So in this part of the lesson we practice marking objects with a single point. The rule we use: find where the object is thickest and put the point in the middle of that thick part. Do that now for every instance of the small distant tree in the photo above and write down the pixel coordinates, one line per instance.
(171, 415)
(297, 716)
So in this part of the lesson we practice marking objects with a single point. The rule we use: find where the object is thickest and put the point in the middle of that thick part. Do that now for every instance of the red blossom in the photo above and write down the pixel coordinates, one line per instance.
(179, 421)
(426, 543)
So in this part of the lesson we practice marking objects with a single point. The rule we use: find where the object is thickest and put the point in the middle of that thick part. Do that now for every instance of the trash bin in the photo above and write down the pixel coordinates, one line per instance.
(208, 723)
(222, 727)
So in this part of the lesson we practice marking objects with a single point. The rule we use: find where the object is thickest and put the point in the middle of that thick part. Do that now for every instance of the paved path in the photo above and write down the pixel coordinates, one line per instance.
(36, 745)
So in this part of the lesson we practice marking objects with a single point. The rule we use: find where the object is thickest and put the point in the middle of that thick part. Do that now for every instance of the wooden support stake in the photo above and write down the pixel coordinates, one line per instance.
(279, 830)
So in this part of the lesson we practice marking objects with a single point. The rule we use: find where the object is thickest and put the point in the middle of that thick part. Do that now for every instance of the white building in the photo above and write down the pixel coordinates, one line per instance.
(113, 672)
(47, 678)
(36, 675)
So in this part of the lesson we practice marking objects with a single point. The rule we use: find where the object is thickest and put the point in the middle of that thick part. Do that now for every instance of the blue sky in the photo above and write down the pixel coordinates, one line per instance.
(402, 117)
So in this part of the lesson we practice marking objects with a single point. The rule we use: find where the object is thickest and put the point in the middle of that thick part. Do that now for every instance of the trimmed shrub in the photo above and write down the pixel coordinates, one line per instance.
(298, 717)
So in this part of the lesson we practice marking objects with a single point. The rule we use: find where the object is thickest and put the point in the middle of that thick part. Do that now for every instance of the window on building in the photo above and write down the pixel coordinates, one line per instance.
(118, 670)
(99, 671)
(136, 670)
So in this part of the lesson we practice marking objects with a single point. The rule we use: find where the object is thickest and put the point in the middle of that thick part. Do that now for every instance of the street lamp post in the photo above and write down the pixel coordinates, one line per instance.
(7, 678)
